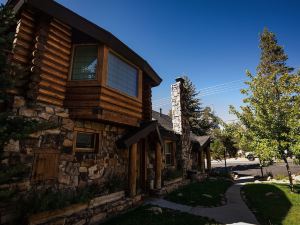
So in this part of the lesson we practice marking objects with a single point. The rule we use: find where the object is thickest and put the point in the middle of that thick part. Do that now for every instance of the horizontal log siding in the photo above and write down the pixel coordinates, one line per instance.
(113, 107)
(52, 61)
(23, 44)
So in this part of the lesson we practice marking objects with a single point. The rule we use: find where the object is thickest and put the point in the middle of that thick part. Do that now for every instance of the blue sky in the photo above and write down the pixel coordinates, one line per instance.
(211, 41)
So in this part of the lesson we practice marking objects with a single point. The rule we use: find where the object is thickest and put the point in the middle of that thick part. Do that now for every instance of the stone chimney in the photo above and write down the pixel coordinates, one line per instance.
(180, 122)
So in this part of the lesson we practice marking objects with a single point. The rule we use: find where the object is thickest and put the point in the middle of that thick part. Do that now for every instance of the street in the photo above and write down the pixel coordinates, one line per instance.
(245, 167)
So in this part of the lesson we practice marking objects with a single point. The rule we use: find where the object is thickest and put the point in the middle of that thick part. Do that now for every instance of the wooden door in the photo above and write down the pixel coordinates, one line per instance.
(45, 165)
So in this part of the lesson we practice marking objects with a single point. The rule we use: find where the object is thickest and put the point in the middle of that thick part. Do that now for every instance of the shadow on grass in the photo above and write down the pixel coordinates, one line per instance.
(143, 216)
(236, 168)
(206, 193)
(273, 204)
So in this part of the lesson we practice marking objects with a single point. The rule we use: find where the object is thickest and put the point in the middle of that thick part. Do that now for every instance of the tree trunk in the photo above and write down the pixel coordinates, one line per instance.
(225, 160)
(289, 173)
(261, 169)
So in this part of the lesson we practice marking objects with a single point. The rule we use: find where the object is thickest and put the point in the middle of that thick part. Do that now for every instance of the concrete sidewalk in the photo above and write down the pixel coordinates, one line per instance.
(234, 212)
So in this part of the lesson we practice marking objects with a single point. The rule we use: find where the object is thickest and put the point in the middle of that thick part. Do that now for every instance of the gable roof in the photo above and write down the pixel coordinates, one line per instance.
(166, 122)
(76, 21)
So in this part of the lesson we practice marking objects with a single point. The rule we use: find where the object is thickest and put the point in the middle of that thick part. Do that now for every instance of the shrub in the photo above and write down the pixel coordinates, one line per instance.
(115, 183)
(280, 177)
(13, 173)
(6, 195)
(171, 174)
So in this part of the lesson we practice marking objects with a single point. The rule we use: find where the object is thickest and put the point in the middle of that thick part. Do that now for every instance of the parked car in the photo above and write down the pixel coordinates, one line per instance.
(250, 156)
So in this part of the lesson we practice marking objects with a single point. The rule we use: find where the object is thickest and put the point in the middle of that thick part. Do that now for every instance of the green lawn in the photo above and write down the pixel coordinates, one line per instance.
(207, 193)
(142, 216)
(274, 203)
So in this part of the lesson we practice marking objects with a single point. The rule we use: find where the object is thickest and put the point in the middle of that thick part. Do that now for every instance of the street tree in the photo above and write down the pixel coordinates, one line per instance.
(271, 110)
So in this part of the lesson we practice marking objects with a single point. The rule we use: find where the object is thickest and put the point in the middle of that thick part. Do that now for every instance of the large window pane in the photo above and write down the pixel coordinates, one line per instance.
(84, 62)
(122, 76)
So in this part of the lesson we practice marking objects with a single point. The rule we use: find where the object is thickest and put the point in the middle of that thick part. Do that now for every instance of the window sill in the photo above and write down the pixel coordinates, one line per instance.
(78, 83)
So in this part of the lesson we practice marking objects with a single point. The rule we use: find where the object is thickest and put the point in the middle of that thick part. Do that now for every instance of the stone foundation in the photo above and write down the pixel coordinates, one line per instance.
(172, 185)
(93, 212)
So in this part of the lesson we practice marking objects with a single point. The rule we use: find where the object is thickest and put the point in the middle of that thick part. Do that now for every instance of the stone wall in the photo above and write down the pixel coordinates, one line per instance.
(93, 212)
(107, 162)
(74, 169)
(172, 185)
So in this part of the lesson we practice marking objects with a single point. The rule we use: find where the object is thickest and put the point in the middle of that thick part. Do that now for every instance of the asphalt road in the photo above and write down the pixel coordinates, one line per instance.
(245, 167)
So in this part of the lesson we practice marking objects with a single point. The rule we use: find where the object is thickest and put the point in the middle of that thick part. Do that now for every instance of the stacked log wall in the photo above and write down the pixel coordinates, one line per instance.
(23, 45)
(51, 61)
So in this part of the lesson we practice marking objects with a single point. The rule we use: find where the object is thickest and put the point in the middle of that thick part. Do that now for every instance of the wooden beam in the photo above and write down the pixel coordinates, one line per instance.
(174, 153)
(208, 159)
(201, 160)
(158, 165)
(144, 152)
(132, 169)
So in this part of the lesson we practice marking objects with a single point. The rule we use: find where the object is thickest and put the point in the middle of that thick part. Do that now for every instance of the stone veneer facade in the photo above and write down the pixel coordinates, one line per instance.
(75, 169)
(180, 122)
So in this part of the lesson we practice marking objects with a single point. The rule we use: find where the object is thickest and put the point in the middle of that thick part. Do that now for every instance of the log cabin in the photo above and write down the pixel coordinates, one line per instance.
(96, 90)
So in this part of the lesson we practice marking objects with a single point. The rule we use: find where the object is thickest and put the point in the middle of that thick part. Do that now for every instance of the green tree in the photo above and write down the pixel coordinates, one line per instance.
(217, 149)
(271, 111)
(201, 120)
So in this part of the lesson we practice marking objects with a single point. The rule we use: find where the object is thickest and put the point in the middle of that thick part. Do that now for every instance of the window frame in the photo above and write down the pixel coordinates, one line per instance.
(171, 153)
(97, 66)
(138, 81)
(96, 136)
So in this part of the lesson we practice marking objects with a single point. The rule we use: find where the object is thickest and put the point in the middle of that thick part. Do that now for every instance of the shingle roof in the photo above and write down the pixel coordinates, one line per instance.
(166, 122)
(202, 140)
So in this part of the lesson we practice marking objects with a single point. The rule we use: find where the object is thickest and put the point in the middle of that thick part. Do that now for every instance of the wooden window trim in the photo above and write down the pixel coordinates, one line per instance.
(87, 150)
(139, 76)
(98, 67)
(172, 154)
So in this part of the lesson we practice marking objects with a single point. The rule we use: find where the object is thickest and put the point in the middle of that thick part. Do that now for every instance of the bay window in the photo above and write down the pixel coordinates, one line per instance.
(84, 66)
(122, 76)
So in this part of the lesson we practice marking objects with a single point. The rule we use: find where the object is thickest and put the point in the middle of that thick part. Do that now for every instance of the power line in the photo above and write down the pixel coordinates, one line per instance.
(166, 101)
(220, 90)
(203, 95)
(208, 90)
(221, 84)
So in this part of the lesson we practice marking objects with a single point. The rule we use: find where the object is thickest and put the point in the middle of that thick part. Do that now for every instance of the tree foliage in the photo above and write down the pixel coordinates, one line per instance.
(272, 103)
(226, 139)
(201, 120)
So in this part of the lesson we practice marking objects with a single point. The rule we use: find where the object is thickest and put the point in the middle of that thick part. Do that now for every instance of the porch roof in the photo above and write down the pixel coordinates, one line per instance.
(138, 133)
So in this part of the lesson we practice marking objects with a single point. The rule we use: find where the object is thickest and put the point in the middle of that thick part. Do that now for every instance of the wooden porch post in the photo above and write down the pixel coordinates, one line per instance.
(158, 166)
(132, 169)
(201, 161)
(208, 159)
(144, 152)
